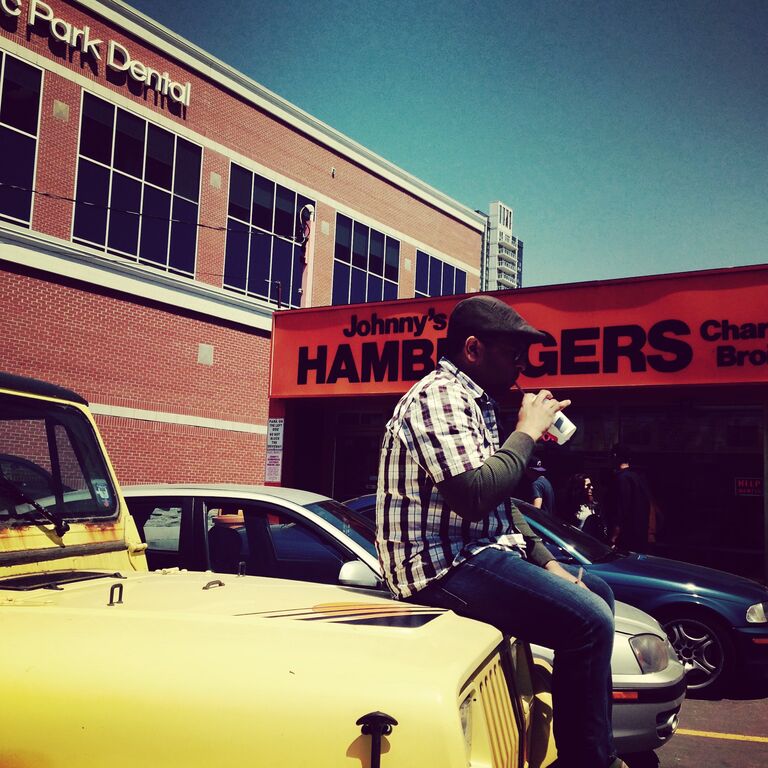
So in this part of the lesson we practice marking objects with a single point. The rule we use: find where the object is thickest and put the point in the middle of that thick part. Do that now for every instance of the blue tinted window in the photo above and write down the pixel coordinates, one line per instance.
(340, 283)
(183, 236)
(96, 128)
(129, 143)
(259, 263)
(275, 252)
(239, 193)
(155, 224)
(125, 204)
(236, 255)
(187, 179)
(373, 256)
(159, 165)
(143, 220)
(20, 95)
(263, 202)
(448, 279)
(93, 196)
(19, 113)
(357, 286)
(422, 273)
(17, 168)
(282, 269)
(360, 246)
(461, 281)
(343, 250)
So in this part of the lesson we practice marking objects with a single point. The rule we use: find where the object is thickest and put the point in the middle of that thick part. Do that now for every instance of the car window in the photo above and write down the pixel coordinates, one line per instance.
(270, 541)
(574, 539)
(351, 524)
(162, 528)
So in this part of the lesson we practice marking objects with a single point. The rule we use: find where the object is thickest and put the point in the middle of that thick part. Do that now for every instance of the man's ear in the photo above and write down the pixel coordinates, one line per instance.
(473, 349)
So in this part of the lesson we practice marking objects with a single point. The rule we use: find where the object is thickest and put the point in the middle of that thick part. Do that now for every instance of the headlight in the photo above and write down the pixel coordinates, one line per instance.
(465, 713)
(650, 652)
(757, 613)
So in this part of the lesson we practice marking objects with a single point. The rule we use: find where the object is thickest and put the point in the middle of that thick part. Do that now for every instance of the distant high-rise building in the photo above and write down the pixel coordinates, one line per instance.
(502, 261)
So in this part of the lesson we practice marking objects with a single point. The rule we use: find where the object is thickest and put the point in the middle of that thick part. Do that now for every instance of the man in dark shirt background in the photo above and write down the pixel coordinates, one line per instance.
(542, 494)
(629, 505)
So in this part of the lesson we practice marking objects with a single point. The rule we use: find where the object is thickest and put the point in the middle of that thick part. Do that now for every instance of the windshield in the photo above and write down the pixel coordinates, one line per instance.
(587, 546)
(50, 457)
(348, 522)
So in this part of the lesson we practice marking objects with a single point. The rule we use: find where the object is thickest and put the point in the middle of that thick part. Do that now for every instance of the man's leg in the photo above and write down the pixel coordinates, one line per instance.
(526, 601)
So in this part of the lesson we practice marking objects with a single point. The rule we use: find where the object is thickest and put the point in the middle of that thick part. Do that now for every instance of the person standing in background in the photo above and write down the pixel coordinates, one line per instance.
(541, 494)
(579, 507)
(629, 505)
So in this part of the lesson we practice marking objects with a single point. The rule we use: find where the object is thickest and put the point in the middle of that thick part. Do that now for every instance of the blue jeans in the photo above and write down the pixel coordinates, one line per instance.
(521, 599)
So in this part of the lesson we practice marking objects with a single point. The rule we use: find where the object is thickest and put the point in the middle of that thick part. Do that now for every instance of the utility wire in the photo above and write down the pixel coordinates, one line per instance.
(199, 225)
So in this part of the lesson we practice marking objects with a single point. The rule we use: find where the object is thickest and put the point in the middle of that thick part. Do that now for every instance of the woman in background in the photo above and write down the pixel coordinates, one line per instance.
(580, 509)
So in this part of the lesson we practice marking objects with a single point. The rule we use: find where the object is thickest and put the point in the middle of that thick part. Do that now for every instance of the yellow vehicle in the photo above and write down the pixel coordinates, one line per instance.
(106, 664)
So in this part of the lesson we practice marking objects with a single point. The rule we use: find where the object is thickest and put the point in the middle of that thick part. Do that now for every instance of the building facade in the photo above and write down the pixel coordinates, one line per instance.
(502, 263)
(157, 207)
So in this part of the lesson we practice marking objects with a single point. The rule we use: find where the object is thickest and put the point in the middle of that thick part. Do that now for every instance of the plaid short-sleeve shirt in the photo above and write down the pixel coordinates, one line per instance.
(443, 426)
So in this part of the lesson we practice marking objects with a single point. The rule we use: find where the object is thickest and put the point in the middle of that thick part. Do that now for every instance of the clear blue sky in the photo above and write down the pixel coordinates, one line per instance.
(629, 137)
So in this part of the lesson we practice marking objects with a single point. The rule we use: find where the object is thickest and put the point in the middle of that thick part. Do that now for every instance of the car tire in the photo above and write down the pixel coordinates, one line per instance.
(703, 647)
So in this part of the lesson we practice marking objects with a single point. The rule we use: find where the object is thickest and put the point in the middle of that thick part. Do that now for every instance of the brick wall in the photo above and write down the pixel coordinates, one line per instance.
(120, 351)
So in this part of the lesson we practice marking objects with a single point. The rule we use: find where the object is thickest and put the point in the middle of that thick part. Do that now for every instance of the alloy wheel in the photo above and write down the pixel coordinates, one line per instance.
(699, 649)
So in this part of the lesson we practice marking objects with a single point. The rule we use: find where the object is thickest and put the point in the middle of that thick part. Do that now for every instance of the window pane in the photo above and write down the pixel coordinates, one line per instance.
(239, 192)
(183, 236)
(375, 288)
(21, 95)
(258, 267)
(435, 276)
(263, 202)
(357, 287)
(129, 143)
(392, 263)
(236, 257)
(390, 291)
(461, 281)
(159, 169)
(161, 531)
(92, 187)
(154, 226)
(448, 278)
(187, 181)
(285, 212)
(124, 226)
(422, 272)
(17, 166)
(376, 261)
(96, 129)
(360, 246)
(340, 283)
(343, 239)
(298, 271)
(282, 267)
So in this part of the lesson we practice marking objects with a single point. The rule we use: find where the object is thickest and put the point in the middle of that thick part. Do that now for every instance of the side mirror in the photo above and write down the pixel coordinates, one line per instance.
(355, 573)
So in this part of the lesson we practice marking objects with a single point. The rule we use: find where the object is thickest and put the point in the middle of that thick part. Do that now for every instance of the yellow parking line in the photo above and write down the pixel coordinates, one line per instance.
(714, 735)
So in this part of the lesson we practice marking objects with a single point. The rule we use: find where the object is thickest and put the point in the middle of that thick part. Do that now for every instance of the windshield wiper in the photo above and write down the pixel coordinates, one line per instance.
(60, 526)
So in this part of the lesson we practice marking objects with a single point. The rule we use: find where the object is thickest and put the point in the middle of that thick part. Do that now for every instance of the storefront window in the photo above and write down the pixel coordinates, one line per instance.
(20, 87)
(438, 278)
(138, 189)
(265, 245)
(366, 264)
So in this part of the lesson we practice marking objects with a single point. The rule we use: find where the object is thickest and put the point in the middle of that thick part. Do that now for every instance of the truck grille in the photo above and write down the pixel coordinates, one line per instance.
(499, 715)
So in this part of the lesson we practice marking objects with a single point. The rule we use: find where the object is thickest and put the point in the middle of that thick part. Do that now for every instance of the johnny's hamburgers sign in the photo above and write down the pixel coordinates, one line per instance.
(695, 328)
(117, 57)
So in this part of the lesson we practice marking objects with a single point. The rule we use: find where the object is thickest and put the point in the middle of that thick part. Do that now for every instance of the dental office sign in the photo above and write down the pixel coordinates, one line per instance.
(115, 55)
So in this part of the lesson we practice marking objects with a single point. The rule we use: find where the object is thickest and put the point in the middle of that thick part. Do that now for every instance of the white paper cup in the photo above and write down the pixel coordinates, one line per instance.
(562, 428)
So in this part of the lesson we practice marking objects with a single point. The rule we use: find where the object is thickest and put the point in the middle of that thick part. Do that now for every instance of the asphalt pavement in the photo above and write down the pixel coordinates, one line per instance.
(727, 732)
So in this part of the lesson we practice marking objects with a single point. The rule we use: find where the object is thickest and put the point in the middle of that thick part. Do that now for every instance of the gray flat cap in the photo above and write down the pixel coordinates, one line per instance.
(486, 315)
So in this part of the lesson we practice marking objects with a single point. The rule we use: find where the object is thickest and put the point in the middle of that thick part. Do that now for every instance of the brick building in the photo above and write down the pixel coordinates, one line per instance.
(157, 206)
